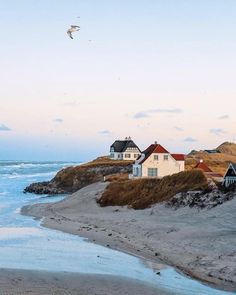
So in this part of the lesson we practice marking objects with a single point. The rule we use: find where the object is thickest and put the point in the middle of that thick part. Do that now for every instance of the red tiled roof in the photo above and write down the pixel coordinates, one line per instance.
(178, 157)
(203, 167)
(153, 148)
(159, 149)
(212, 174)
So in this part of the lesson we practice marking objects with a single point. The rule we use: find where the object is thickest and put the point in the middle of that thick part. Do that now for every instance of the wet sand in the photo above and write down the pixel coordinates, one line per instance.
(199, 243)
(22, 282)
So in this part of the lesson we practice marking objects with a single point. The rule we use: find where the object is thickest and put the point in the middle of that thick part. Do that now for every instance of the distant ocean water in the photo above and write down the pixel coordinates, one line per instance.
(24, 244)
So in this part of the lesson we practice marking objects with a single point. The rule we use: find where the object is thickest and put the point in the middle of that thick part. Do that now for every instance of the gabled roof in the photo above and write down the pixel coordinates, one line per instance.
(153, 148)
(121, 145)
(159, 149)
(233, 166)
(203, 167)
(178, 157)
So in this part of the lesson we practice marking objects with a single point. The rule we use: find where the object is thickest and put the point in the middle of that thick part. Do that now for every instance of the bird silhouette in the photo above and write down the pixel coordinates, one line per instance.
(71, 30)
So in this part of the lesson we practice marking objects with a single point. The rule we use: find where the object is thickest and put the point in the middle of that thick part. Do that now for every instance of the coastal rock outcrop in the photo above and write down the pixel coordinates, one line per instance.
(71, 179)
(199, 199)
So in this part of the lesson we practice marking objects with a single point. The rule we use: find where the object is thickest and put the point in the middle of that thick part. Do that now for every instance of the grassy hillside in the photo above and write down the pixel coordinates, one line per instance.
(71, 179)
(141, 193)
(217, 162)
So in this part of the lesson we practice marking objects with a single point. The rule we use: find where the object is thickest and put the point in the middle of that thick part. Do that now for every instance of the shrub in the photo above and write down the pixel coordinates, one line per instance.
(142, 193)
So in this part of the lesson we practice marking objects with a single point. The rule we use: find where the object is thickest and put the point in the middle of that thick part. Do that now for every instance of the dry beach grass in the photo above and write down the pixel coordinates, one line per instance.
(141, 193)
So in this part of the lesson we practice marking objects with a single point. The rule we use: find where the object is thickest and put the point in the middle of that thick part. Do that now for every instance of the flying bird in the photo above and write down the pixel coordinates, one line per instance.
(71, 30)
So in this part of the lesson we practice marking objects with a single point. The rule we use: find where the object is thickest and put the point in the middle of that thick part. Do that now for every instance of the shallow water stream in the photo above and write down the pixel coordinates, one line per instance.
(24, 244)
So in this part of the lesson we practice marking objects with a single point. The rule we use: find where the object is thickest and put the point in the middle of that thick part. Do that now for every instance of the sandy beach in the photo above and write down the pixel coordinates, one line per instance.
(21, 282)
(199, 243)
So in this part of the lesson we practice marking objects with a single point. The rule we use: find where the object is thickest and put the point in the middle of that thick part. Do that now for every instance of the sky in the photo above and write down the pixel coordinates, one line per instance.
(155, 70)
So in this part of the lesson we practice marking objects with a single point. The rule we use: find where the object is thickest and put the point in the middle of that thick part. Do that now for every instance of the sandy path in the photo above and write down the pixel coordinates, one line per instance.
(20, 282)
(201, 243)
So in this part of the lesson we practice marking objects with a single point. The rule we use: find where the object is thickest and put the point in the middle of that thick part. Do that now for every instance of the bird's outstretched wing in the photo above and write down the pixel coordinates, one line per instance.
(69, 34)
(75, 27)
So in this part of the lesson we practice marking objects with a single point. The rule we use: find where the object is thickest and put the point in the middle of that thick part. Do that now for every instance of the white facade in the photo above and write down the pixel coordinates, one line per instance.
(130, 154)
(157, 165)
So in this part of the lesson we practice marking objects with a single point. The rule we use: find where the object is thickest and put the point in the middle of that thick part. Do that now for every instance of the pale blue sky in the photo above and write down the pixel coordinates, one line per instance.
(154, 70)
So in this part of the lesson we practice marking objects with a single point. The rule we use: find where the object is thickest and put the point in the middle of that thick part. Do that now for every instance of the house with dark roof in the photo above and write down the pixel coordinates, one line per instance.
(124, 150)
(230, 175)
(208, 172)
(157, 162)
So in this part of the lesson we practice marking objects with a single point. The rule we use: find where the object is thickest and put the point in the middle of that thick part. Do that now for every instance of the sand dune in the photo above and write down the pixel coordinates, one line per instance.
(201, 243)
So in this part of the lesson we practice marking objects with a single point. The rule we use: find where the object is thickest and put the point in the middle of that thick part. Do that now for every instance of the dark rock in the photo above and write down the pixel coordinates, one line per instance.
(199, 199)
(71, 179)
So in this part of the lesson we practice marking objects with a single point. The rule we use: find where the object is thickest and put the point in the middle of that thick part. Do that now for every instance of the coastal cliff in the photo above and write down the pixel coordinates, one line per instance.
(71, 179)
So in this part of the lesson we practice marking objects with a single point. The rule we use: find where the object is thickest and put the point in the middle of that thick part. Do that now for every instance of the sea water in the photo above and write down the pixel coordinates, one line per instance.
(25, 244)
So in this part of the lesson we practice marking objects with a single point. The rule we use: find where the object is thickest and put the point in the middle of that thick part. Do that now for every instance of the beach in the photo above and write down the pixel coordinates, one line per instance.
(19, 282)
(200, 243)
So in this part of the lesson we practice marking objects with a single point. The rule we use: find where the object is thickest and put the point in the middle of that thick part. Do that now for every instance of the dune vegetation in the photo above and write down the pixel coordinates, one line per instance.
(218, 162)
(142, 193)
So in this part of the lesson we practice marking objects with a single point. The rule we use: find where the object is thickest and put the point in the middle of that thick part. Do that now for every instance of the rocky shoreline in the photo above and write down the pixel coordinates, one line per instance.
(71, 179)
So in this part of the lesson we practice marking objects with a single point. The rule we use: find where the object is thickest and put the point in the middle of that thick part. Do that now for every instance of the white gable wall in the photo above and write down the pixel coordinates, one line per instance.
(130, 154)
(164, 167)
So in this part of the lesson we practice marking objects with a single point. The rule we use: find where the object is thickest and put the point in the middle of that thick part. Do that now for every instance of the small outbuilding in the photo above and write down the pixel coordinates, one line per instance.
(208, 172)
(230, 175)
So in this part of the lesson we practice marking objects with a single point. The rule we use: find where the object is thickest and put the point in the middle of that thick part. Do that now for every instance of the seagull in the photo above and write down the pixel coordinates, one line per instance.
(71, 30)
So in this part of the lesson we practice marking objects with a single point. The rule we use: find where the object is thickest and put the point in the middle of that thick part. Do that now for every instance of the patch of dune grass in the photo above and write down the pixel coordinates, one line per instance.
(142, 193)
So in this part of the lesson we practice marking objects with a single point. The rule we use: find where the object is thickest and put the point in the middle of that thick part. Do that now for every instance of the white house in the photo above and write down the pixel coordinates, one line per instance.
(124, 150)
(230, 175)
(156, 161)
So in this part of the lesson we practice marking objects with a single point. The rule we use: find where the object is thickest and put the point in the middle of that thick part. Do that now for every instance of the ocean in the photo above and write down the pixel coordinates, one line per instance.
(25, 244)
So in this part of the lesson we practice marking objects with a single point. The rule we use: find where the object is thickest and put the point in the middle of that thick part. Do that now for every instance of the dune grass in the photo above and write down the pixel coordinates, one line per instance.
(142, 193)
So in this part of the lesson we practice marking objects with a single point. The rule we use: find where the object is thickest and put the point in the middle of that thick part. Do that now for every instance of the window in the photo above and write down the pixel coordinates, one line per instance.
(152, 172)
(136, 156)
(165, 157)
(156, 157)
(127, 156)
(112, 155)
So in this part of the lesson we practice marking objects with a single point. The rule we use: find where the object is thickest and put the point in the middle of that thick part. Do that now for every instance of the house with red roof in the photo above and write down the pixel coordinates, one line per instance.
(208, 172)
(157, 162)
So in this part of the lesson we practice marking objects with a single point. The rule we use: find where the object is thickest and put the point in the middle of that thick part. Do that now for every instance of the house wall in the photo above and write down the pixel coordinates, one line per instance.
(116, 156)
(137, 170)
(164, 167)
(128, 155)
(131, 154)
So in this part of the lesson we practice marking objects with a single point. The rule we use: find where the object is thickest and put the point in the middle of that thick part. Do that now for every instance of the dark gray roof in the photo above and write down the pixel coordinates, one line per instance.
(121, 145)
(231, 172)
(212, 151)
(234, 166)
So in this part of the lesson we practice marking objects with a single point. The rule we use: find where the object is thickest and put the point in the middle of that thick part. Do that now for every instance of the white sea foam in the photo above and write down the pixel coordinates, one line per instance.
(3, 193)
(7, 233)
(17, 211)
